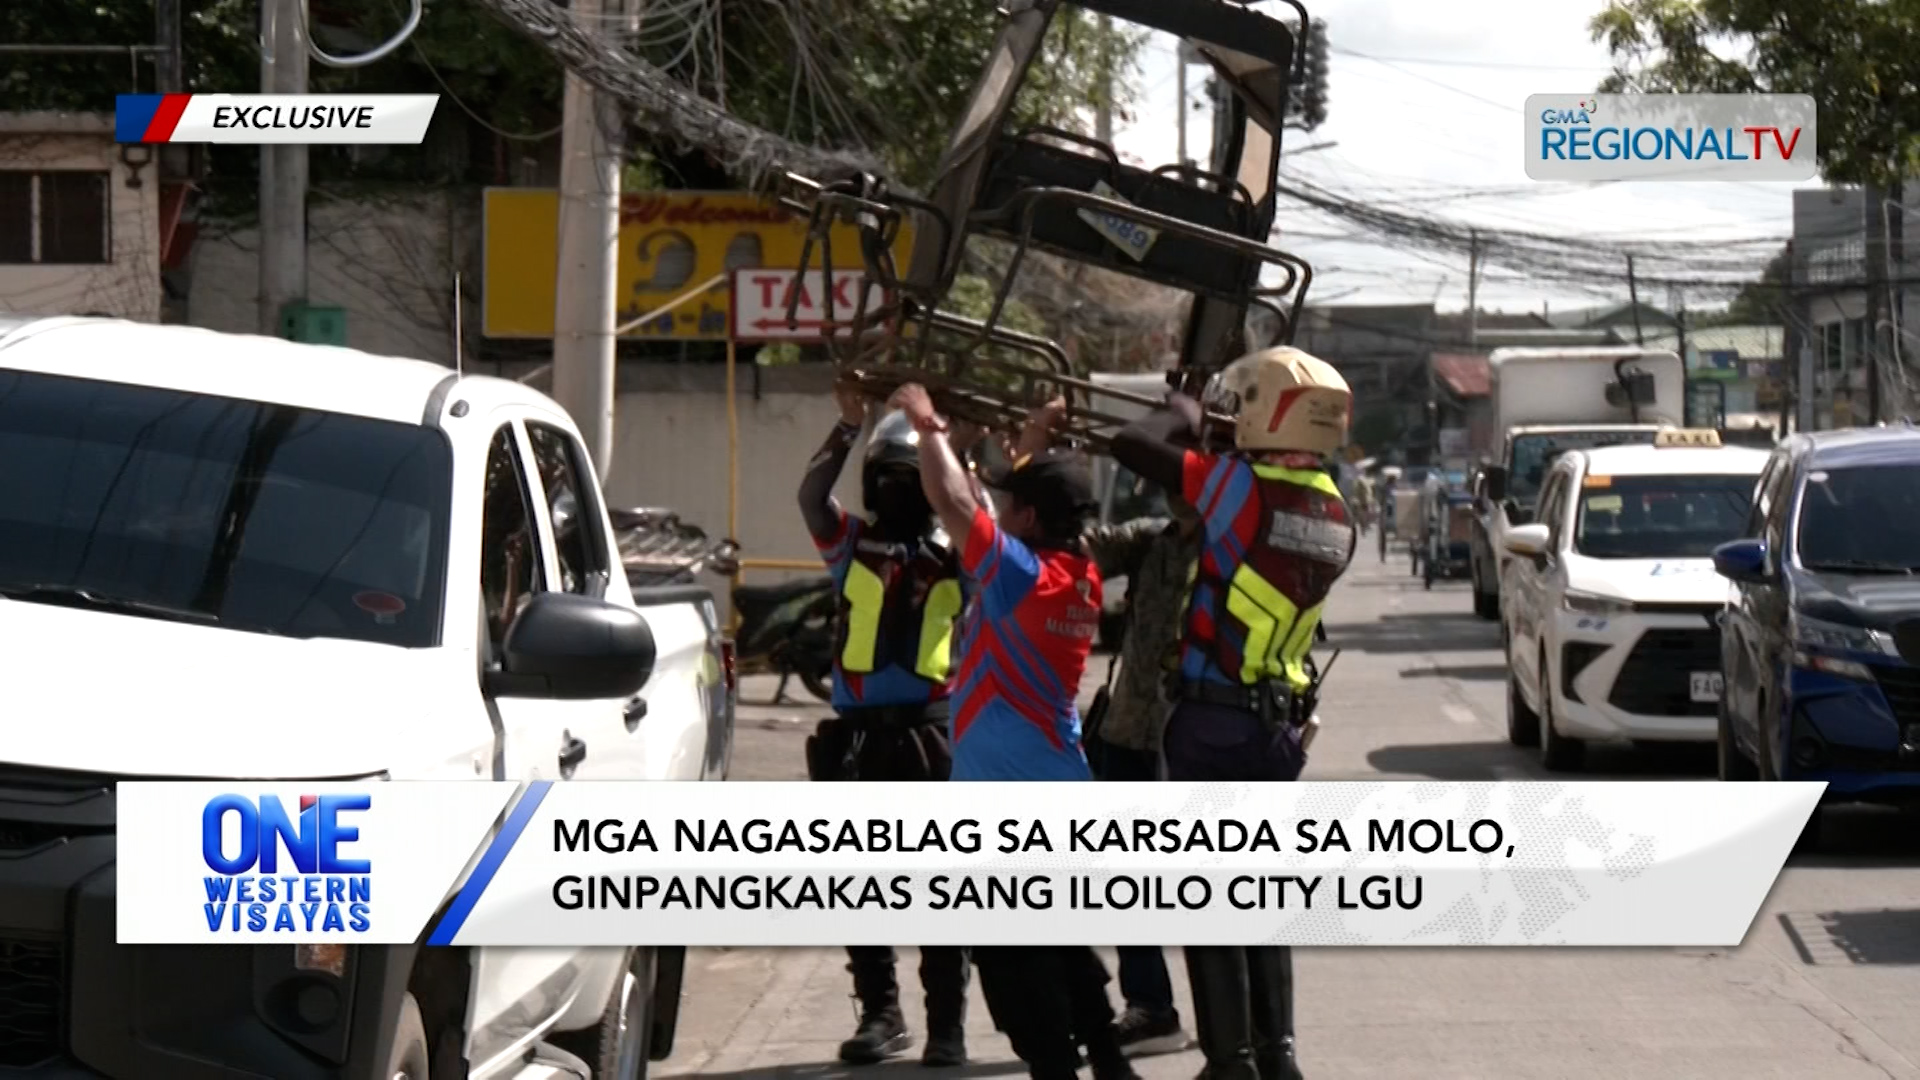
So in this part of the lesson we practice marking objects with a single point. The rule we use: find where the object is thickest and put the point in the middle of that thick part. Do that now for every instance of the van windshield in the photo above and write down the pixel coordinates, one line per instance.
(1861, 519)
(1661, 517)
(1533, 455)
(230, 513)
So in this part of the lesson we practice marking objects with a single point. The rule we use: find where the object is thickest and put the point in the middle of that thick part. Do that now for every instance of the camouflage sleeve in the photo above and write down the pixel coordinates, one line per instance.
(1118, 548)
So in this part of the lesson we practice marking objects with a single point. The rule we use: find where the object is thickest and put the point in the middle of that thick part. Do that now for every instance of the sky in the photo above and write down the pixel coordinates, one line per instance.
(1425, 103)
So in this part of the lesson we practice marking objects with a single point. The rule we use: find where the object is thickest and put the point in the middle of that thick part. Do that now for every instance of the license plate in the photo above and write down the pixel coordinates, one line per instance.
(1130, 237)
(1706, 685)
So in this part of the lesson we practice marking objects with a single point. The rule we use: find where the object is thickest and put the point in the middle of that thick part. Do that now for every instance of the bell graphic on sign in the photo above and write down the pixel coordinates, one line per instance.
(672, 263)
(743, 252)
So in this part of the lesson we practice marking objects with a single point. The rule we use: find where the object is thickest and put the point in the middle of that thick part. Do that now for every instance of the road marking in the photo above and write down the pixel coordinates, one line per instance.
(1459, 714)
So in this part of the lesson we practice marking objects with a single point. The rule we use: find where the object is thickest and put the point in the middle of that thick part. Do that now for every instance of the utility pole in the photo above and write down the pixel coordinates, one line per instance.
(1473, 288)
(1798, 348)
(1103, 108)
(1787, 375)
(169, 78)
(1873, 200)
(283, 168)
(1887, 330)
(1633, 297)
(1680, 322)
(166, 40)
(1180, 81)
(589, 250)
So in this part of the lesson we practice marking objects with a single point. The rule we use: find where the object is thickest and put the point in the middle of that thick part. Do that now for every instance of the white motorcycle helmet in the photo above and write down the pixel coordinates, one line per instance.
(1283, 399)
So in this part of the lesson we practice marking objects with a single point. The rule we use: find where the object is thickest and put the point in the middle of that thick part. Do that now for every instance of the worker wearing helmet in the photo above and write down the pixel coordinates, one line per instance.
(1277, 537)
(899, 584)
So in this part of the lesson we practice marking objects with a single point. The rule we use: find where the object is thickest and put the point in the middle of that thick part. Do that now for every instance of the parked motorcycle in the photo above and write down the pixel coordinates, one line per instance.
(788, 630)
(658, 549)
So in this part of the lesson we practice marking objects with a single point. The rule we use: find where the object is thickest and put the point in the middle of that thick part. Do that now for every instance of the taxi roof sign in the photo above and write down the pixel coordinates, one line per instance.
(1696, 437)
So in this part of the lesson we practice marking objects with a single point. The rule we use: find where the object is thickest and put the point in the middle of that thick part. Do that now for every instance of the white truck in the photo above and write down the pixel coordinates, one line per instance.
(1546, 402)
(235, 557)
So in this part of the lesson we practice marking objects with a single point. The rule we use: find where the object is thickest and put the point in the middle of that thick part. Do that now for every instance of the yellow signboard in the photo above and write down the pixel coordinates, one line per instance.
(670, 242)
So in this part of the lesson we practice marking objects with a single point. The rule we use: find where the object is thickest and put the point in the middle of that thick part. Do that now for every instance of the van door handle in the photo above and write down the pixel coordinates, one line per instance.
(572, 752)
(634, 711)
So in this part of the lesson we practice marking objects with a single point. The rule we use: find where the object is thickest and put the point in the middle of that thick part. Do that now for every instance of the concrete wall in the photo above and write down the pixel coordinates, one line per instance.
(389, 261)
(670, 440)
(129, 286)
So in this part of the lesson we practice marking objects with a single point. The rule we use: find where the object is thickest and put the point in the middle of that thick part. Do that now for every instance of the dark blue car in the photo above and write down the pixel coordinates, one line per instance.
(1816, 688)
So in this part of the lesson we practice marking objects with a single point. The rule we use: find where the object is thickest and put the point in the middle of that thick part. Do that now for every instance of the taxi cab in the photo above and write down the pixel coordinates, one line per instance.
(1611, 607)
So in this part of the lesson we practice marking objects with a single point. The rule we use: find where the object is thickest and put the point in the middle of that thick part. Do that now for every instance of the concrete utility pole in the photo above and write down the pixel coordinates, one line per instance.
(1473, 288)
(283, 169)
(1873, 199)
(166, 42)
(169, 77)
(1791, 320)
(1180, 81)
(1103, 109)
(1633, 298)
(589, 250)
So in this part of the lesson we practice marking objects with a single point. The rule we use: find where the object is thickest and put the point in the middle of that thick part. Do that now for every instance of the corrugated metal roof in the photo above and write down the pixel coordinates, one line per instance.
(1466, 373)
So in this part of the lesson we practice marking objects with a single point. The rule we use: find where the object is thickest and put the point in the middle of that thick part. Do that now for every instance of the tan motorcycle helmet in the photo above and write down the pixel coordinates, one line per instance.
(1283, 399)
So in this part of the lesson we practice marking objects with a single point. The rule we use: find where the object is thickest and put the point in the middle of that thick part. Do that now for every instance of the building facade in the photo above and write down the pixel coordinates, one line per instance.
(81, 226)
(1831, 310)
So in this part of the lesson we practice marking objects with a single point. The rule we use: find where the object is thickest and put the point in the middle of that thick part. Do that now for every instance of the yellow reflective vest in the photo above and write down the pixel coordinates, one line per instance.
(897, 611)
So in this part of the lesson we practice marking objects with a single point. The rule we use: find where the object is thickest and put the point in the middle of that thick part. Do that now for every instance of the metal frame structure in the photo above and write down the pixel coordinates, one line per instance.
(1026, 188)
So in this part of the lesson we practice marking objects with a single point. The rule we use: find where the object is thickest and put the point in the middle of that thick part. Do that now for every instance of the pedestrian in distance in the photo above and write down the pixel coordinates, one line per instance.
(1157, 556)
(1028, 631)
(1277, 537)
(900, 593)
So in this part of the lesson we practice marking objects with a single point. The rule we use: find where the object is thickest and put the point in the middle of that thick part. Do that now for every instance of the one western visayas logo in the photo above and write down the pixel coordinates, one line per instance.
(317, 887)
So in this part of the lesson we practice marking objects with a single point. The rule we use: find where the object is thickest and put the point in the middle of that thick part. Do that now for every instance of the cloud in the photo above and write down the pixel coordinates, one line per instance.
(1425, 109)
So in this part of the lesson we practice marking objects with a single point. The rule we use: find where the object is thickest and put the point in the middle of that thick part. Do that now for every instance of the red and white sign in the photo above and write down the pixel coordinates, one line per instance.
(760, 298)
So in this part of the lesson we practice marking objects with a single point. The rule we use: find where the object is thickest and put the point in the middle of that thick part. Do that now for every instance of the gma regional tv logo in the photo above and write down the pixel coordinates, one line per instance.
(1667, 137)
(286, 871)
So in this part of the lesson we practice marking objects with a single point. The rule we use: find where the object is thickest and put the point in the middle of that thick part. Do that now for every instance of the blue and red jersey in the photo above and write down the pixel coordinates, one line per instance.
(893, 684)
(1023, 648)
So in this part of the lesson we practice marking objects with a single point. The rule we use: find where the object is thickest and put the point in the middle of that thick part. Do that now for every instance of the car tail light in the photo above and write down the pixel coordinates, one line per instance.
(727, 668)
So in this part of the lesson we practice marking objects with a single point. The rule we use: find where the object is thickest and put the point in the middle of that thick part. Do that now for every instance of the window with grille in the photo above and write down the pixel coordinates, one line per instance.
(55, 217)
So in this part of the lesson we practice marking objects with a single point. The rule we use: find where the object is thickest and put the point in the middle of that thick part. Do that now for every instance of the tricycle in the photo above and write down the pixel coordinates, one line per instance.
(1446, 549)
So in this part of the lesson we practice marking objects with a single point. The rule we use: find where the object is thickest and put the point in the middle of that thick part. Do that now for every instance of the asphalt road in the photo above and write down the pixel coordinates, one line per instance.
(1826, 986)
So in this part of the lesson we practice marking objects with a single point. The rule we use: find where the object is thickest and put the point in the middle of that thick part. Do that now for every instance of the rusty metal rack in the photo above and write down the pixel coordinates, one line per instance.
(1201, 231)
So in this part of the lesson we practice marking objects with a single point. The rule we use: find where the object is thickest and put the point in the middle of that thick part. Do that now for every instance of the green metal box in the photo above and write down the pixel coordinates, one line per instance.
(314, 324)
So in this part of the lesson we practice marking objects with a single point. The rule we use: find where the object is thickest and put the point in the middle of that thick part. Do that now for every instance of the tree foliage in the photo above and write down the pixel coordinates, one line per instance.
(894, 75)
(1762, 302)
(1856, 57)
(890, 74)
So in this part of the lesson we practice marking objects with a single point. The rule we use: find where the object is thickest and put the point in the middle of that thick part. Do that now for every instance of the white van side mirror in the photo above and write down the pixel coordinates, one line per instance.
(1527, 541)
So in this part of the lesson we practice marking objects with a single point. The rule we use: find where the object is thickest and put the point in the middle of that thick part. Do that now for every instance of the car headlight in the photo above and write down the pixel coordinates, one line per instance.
(1586, 603)
(1812, 634)
(1821, 634)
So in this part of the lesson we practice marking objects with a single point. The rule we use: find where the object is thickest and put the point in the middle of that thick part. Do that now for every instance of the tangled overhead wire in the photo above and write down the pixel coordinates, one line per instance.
(658, 102)
(1704, 265)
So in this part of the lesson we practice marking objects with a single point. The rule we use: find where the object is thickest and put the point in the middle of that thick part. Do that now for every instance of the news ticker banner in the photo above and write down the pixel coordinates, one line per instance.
(604, 863)
(259, 119)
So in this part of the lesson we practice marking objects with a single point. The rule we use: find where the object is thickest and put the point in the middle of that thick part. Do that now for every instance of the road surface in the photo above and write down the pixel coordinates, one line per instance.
(1826, 986)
